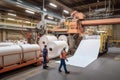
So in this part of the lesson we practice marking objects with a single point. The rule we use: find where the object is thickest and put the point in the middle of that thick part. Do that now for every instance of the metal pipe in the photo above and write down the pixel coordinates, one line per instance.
(101, 22)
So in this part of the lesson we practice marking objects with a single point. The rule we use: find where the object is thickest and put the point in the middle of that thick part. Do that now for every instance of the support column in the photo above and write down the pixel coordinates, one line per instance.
(0, 35)
(4, 35)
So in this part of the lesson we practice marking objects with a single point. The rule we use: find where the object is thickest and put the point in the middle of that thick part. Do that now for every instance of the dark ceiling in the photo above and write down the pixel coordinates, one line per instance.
(83, 5)
(79, 5)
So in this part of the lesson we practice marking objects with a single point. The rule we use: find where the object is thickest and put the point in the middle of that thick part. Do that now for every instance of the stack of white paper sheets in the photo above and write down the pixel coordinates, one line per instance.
(86, 53)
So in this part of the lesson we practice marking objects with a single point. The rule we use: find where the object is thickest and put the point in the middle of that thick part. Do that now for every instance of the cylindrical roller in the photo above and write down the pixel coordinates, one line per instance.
(6, 44)
(11, 54)
(29, 51)
(21, 42)
(101, 22)
(45, 39)
(62, 38)
(55, 48)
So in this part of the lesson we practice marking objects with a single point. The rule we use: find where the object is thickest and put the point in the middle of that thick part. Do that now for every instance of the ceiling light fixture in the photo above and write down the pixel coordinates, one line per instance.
(24, 6)
(11, 14)
(65, 11)
(53, 5)
(50, 17)
(10, 19)
(33, 9)
(19, 1)
(28, 11)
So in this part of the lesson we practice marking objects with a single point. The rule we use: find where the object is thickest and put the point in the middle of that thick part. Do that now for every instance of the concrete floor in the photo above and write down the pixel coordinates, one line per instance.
(104, 68)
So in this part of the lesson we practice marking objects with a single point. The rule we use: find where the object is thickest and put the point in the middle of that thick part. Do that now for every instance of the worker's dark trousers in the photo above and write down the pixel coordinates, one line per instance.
(62, 63)
(44, 61)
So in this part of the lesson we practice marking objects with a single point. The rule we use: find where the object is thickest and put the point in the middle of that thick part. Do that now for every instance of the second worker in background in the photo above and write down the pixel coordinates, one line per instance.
(45, 55)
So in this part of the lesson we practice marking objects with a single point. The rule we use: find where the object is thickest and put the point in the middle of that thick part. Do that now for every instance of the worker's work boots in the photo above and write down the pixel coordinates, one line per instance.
(67, 72)
(45, 67)
(60, 70)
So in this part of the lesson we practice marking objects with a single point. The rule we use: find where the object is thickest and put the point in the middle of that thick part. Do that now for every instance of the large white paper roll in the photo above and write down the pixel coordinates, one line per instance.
(6, 44)
(45, 39)
(21, 42)
(10, 50)
(55, 48)
(62, 38)
(10, 59)
(29, 51)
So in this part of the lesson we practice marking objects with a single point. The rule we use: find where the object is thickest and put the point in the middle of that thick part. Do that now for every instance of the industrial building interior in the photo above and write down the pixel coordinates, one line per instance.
(88, 30)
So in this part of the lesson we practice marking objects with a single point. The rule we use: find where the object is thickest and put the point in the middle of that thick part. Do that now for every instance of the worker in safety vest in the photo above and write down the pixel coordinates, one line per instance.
(62, 61)
(45, 55)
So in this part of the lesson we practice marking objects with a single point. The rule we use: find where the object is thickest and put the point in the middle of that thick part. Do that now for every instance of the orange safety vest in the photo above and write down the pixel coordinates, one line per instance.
(63, 55)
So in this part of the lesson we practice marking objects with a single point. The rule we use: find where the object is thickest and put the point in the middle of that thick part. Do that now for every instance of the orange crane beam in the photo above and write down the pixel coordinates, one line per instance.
(101, 22)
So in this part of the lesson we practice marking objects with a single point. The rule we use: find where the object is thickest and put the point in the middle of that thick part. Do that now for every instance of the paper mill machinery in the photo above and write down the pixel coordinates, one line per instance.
(76, 24)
